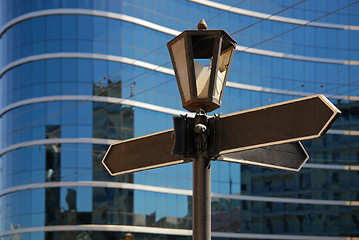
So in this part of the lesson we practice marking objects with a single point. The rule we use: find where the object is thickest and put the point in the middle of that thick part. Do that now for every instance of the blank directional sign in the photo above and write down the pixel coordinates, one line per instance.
(137, 154)
(286, 156)
(291, 121)
(267, 136)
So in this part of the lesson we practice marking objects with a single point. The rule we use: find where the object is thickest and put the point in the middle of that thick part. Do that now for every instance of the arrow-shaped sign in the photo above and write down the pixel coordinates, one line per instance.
(137, 154)
(266, 136)
(296, 120)
(287, 156)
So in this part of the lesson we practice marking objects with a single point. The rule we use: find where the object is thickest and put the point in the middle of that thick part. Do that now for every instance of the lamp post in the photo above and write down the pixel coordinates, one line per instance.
(267, 136)
(201, 60)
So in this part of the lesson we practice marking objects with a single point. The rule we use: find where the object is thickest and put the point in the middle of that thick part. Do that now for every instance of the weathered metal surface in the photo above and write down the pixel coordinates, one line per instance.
(291, 121)
(287, 156)
(137, 154)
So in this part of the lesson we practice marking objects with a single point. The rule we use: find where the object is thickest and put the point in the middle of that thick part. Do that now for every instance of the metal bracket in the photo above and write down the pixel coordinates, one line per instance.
(201, 132)
(184, 137)
(197, 135)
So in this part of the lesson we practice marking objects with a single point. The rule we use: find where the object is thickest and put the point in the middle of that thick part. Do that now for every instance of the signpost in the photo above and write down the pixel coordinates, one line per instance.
(143, 153)
(287, 156)
(267, 136)
(296, 120)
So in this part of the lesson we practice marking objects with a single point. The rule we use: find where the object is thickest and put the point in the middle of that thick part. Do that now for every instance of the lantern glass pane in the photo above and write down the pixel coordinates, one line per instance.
(223, 63)
(202, 74)
(180, 62)
(202, 47)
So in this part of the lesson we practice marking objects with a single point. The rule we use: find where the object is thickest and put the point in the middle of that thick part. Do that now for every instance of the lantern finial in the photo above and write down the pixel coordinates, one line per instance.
(202, 25)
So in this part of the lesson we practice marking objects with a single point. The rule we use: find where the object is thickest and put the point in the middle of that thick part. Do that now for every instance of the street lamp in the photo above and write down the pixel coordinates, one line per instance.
(266, 136)
(201, 60)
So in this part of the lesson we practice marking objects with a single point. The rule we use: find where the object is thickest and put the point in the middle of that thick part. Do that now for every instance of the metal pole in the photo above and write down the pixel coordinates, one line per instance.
(201, 199)
(201, 206)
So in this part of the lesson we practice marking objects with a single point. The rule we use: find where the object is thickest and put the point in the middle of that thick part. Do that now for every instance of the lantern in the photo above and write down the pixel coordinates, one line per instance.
(201, 60)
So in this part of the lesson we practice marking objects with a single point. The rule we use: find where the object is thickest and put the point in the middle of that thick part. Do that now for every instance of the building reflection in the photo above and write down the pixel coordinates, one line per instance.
(111, 121)
(109, 205)
(53, 173)
(309, 183)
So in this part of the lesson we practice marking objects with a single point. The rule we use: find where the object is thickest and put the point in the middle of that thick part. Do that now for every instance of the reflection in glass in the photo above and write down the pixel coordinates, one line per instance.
(73, 205)
(114, 121)
(53, 152)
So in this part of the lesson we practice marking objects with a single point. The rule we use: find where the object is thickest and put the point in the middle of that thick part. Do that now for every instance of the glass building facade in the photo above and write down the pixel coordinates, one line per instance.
(77, 76)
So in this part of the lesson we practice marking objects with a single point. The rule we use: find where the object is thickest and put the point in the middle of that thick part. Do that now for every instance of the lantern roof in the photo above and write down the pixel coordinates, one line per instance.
(199, 38)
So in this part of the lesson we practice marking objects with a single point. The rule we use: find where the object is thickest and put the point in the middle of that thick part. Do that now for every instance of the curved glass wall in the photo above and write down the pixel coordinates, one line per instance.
(52, 182)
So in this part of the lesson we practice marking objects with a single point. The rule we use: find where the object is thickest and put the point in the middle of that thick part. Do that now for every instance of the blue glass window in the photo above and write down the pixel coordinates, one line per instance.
(69, 4)
(53, 4)
(85, 71)
(85, 4)
(85, 27)
(69, 73)
(38, 5)
(84, 202)
(53, 70)
(53, 27)
(100, 5)
(39, 31)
